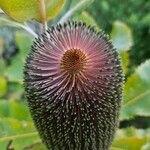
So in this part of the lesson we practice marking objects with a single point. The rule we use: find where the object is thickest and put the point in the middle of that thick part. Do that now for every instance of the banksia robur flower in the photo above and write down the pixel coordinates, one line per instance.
(73, 80)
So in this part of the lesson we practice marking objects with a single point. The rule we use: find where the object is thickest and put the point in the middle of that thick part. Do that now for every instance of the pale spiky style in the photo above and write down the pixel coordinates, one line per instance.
(73, 81)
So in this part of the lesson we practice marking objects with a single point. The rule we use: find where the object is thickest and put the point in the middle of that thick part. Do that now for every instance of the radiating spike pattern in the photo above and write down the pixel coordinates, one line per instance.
(73, 82)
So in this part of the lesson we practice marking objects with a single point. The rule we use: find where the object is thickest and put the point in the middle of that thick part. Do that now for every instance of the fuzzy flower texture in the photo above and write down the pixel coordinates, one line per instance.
(73, 80)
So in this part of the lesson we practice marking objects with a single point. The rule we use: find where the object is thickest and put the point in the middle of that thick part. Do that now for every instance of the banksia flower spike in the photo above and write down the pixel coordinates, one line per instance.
(73, 80)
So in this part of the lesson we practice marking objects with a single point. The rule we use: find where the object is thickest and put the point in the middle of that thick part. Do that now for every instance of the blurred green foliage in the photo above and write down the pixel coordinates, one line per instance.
(134, 13)
(128, 24)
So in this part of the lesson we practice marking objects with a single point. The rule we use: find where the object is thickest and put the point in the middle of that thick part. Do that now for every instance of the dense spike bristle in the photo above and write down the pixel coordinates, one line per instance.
(73, 80)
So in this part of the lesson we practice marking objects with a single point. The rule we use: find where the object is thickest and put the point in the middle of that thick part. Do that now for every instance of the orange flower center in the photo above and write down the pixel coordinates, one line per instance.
(73, 61)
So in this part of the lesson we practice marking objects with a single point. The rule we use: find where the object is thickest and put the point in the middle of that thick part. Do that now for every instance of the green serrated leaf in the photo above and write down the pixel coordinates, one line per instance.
(30, 9)
(137, 93)
(121, 36)
(20, 133)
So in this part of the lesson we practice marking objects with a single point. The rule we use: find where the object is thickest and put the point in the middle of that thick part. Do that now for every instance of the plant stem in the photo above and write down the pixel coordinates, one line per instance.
(29, 30)
(8, 22)
(18, 136)
(43, 14)
(1, 11)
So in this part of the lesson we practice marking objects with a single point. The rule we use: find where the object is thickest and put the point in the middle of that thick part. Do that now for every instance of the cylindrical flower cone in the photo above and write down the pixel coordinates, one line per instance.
(73, 80)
